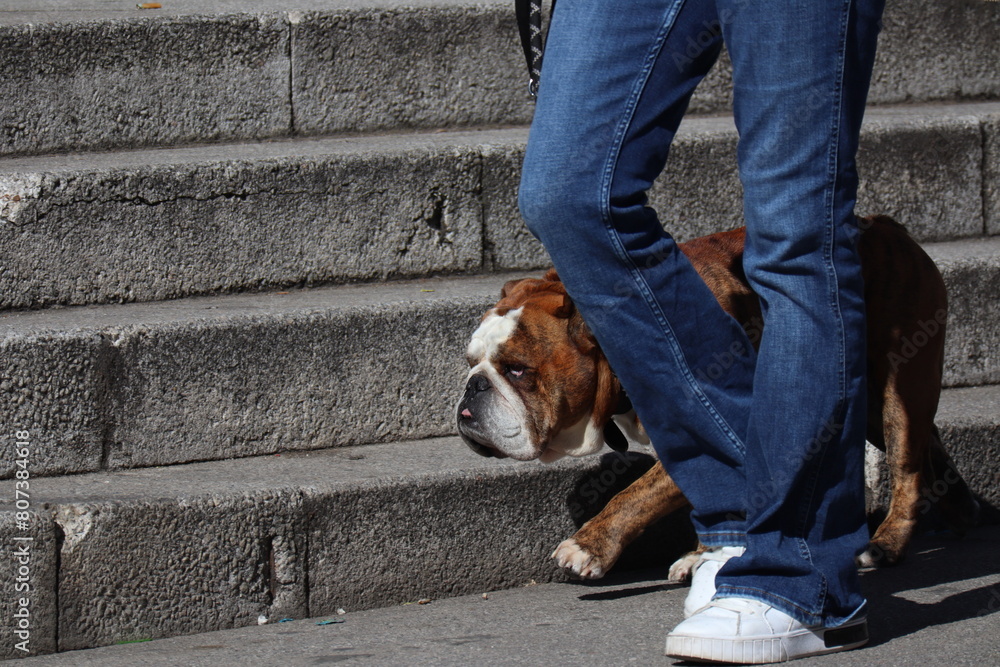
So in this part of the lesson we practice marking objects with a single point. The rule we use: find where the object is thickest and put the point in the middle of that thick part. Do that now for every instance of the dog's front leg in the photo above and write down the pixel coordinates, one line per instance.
(595, 548)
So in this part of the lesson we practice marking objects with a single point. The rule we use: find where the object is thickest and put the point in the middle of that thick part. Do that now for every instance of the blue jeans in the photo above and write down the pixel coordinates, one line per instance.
(768, 446)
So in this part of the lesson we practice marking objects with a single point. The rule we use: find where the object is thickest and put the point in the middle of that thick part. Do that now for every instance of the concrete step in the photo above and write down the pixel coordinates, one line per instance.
(207, 378)
(161, 224)
(937, 608)
(94, 74)
(157, 552)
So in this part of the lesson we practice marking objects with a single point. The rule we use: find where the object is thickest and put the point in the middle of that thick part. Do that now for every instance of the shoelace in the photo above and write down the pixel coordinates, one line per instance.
(739, 605)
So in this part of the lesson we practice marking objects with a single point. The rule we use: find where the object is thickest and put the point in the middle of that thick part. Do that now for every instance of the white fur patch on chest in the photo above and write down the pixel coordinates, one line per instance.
(494, 331)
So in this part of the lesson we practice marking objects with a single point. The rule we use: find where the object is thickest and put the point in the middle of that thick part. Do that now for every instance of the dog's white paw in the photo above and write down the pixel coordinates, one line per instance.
(573, 557)
(683, 567)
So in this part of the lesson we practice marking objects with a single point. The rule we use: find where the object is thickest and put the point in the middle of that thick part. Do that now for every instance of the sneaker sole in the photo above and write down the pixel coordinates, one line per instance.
(763, 650)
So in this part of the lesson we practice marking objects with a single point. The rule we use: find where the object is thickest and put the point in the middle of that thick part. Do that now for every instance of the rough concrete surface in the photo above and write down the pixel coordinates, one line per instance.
(290, 381)
(922, 165)
(101, 75)
(29, 571)
(926, 172)
(142, 81)
(461, 534)
(54, 387)
(166, 551)
(991, 172)
(220, 377)
(972, 274)
(159, 225)
(158, 552)
(937, 607)
(508, 243)
(407, 67)
(970, 428)
(954, 60)
(242, 375)
(162, 567)
(148, 225)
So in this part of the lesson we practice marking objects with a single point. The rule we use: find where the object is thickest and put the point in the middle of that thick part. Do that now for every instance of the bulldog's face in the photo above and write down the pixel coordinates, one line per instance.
(538, 385)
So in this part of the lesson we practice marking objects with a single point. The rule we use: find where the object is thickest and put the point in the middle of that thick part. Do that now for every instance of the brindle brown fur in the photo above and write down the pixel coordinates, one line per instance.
(904, 294)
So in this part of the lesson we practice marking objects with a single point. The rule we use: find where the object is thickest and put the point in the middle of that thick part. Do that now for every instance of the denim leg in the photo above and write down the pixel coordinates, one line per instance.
(801, 72)
(616, 81)
(769, 452)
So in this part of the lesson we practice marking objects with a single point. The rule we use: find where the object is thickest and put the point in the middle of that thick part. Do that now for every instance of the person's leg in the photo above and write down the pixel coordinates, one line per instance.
(801, 72)
(616, 80)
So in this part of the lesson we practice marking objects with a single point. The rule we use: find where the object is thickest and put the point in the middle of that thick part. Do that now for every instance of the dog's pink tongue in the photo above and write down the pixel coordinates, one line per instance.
(466, 413)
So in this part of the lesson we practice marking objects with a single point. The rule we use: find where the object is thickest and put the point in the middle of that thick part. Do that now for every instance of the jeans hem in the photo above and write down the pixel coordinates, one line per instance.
(800, 614)
(723, 539)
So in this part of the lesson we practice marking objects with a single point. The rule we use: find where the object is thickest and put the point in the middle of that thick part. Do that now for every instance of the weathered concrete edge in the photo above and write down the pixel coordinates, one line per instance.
(122, 389)
(422, 492)
(914, 64)
(927, 166)
(29, 606)
(429, 496)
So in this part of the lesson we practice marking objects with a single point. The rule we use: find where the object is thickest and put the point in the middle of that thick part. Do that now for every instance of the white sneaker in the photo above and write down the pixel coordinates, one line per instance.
(703, 577)
(744, 631)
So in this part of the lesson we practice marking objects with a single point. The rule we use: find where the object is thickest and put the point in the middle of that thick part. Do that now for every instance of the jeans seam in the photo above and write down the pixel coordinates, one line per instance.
(828, 257)
(637, 278)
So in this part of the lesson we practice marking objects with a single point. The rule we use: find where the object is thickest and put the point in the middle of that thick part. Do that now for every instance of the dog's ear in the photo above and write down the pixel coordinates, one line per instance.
(605, 406)
(509, 287)
(528, 286)
(579, 332)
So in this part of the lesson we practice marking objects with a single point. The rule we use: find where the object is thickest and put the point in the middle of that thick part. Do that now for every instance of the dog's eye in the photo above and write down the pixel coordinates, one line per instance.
(514, 370)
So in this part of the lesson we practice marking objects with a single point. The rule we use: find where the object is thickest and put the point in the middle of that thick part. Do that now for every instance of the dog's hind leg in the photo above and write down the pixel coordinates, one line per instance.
(907, 315)
(906, 437)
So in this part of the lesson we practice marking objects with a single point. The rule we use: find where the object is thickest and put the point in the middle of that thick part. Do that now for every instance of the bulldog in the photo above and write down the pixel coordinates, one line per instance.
(539, 387)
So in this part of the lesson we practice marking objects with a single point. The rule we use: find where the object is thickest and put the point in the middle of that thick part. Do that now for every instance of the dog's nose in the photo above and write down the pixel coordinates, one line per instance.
(477, 384)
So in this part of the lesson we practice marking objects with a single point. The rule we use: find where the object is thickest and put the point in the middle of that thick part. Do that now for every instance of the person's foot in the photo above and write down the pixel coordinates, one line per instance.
(745, 631)
(703, 577)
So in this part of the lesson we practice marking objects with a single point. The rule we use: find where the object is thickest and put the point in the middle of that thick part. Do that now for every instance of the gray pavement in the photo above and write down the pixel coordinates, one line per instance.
(939, 607)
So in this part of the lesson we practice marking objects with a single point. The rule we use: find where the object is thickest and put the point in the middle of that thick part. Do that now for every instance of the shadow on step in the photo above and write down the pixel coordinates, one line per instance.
(944, 579)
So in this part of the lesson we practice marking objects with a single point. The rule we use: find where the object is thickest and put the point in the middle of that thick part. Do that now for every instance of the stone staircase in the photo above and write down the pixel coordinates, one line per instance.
(242, 248)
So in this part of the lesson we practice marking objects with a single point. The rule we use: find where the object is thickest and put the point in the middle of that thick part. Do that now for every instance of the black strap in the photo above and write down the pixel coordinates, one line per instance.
(529, 25)
(613, 435)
